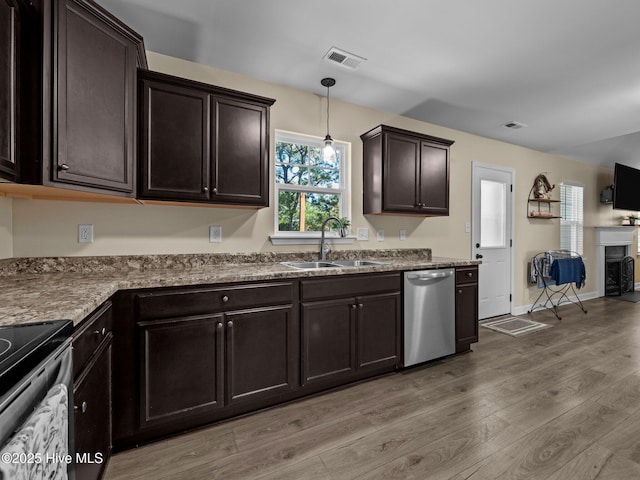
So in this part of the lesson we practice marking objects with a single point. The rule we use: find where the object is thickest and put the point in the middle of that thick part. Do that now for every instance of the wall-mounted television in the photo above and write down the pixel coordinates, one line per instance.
(626, 188)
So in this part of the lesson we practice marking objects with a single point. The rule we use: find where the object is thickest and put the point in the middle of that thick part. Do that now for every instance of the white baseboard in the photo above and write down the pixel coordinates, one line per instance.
(521, 310)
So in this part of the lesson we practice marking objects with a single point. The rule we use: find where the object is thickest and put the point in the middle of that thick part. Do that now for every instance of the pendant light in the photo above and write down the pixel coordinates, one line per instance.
(328, 151)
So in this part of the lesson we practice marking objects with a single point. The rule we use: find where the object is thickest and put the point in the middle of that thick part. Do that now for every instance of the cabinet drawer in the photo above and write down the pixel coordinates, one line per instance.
(90, 334)
(186, 302)
(466, 275)
(338, 286)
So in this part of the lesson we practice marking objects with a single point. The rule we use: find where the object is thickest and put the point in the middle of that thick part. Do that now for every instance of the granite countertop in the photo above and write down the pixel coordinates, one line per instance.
(34, 289)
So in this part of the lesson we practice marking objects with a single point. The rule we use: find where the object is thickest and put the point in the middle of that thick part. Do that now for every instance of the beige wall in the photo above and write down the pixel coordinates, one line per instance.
(44, 228)
(6, 223)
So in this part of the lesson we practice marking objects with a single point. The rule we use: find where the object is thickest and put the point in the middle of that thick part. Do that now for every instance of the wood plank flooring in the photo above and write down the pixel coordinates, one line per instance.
(559, 404)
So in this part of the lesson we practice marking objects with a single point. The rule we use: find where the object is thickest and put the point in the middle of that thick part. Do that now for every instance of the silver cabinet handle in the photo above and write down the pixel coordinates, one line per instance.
(101, 332)
(215, 190)
(219, 325)
(63, 166)
(225, 298)
(360, 305)
(205, 189)
(353, 307)
(82, 408)
(459, 290)
(469, 274)
(230, 324)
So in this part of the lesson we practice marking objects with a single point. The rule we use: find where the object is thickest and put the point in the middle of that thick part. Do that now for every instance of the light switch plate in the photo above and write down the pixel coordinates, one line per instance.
(363, 233)
(380, 235)
(85, 233)
(215, 234)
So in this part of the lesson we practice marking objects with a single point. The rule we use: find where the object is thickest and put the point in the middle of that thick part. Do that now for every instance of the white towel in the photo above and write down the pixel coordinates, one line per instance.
(44, 436)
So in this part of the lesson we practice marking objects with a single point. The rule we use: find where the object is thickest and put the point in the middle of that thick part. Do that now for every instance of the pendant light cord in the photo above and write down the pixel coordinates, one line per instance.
(327, 109)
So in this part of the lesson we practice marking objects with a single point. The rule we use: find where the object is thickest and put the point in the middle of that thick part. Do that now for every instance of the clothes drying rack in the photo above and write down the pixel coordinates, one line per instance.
(545, 274)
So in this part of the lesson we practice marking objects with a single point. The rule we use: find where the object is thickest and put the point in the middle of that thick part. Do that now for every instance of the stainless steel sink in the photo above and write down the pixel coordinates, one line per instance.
(306, 265)
(331, 264)
(356, 263)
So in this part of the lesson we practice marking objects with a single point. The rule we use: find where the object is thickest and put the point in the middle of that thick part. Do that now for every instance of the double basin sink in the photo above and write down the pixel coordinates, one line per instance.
(332, 264)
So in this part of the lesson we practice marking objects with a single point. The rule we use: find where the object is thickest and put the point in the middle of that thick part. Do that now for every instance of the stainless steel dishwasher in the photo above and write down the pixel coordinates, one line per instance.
(429, 315)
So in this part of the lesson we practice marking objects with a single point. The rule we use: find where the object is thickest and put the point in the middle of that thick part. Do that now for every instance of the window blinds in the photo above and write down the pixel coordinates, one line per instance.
(572, 218)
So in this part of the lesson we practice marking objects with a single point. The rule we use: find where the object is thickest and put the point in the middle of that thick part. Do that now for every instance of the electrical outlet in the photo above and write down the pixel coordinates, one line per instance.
(85, 233)
(363, 234)
(403, 234)
(215, 234)
(467, 227)
(380, 235)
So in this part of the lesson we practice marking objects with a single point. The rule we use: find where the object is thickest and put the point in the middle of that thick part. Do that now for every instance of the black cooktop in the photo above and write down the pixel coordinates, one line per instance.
(23, 346)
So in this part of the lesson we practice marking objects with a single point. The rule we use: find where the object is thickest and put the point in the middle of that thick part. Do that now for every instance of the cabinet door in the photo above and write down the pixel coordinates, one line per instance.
(401, 163)
(328, 341)
(378, 330)
(466, 316)
(240, 141)
(434, 179)
(174, 142)
(181, 368)
(9, 54)
(260, 352)
(94, 108)
(92, 414)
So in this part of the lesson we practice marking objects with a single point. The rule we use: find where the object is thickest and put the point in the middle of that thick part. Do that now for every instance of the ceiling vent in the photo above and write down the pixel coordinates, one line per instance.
(346, 59)
(514, 125)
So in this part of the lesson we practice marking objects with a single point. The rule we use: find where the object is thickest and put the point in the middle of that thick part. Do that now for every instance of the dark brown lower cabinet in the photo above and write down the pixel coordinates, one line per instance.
(195, 355)
(344, 339)
(466, 307)
(92, 357)
(180, 368)
(190, 367)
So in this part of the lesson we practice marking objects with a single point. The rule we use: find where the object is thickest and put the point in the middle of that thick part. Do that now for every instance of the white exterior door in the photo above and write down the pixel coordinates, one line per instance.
(492, 237)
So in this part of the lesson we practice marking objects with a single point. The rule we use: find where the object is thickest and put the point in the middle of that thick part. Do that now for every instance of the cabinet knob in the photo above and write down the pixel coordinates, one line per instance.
(229, 324)
(82, 408)
(215, 190)
(101, 332)
(63, 167)
(469, 274)
(205, 189)
(353, 307)
(360, 305)
(459, 290)
(225, 298)
(219, 325)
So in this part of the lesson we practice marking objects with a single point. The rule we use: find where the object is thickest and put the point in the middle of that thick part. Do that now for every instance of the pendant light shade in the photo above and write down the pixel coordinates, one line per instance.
(328, 151)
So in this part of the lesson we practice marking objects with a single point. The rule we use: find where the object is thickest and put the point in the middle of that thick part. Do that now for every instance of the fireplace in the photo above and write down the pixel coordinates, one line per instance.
(614, 266)
(618, 270)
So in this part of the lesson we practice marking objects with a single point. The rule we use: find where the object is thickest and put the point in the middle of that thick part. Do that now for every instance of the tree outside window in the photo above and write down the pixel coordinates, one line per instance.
(308, 188)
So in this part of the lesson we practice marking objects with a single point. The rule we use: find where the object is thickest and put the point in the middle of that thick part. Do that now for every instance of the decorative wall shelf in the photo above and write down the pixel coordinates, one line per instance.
(540, 212)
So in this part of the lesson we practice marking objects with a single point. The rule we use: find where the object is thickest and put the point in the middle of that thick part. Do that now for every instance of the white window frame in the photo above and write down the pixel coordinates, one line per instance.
(576, 241)
(292, 238)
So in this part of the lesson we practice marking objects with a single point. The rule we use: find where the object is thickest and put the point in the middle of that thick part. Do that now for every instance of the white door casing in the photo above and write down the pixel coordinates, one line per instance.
(492, 237)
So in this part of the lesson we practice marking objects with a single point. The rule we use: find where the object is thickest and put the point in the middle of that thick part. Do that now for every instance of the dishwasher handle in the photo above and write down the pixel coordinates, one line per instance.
(429, 275)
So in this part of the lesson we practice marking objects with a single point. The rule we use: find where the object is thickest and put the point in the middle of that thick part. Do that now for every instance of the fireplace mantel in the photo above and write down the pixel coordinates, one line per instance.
(615, 235)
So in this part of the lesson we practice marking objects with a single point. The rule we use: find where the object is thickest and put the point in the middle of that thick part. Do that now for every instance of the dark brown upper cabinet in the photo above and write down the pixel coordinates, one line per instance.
(405, 173)
(9, 64)
(202, 143)
(73, 115)
(17, 87)
(94, 61)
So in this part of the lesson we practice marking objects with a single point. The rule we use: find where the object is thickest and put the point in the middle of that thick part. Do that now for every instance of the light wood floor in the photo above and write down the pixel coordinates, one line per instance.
(559, 404)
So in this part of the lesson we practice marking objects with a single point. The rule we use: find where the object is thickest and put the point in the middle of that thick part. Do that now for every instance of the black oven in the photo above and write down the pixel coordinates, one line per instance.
(36, 399)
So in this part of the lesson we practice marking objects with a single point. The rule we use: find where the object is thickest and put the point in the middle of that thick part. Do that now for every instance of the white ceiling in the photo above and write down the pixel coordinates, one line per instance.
(569, 69)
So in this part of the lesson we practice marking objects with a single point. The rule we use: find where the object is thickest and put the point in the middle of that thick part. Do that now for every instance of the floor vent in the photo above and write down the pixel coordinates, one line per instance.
(346, 59)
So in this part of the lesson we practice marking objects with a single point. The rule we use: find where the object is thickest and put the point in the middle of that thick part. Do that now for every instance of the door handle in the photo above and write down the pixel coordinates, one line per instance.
(478, 256)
